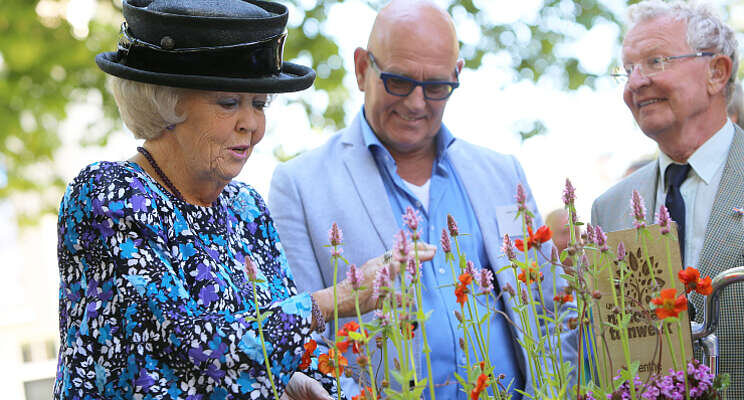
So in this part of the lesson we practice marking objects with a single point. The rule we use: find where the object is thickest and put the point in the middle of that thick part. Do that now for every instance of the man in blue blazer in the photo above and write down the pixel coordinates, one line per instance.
(397, 153)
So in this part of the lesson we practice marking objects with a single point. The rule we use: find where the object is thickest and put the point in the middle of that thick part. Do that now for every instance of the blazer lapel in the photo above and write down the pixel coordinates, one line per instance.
(367, 182)
(724, 234)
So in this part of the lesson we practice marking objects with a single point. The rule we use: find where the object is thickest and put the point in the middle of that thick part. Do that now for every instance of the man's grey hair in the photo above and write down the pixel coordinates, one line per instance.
(146, 109)
(705, 30)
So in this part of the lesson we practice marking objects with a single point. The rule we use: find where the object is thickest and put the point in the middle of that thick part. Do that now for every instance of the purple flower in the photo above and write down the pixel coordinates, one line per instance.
(445, 241)
(250, 269)
(569, 193)
(354, 276)
(600, 237)
(662, 218)
(452, 225)
(620, 251)
(382, 317)
(335, 236)
(412, 268)
(382, 280)
(508, 248)
(401, 247)
(485, 280)
(411, 218)
(470, 268)
(521, 197)
(639, 210)
(590, 234)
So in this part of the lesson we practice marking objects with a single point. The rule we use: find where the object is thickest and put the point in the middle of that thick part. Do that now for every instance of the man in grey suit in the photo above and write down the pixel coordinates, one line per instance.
(397, 153)
(680, 63)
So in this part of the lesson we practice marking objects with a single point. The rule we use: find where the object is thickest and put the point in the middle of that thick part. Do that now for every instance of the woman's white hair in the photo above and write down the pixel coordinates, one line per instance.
(146, 109)
(705, 30)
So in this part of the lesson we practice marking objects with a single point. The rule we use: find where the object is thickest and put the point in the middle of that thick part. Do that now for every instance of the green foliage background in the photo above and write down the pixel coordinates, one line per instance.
(45, 67)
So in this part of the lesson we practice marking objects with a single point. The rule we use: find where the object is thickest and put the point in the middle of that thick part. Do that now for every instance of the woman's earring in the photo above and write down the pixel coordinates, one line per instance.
(170, 127)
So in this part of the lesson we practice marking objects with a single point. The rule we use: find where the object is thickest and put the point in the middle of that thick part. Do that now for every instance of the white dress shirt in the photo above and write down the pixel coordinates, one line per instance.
(700, 188)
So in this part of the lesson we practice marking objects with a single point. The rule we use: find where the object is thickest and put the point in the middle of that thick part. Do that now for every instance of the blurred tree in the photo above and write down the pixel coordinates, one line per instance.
(46, 64)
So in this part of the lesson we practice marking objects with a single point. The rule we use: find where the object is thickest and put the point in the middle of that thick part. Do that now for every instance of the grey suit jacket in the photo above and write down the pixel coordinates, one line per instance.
(723, 247)
(339, 182)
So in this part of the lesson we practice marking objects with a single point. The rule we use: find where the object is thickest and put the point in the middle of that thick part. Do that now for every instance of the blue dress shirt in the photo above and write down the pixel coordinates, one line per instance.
(447, 196)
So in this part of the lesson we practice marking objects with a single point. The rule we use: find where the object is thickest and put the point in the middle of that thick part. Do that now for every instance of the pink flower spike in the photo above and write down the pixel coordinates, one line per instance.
(401, 247)
(521, 197)
(412, 269)
(250, 269)
(382, 280)
(470, 268)
(508, 248)
(663, 218)
(569, 193)
(620, 251)
(452, 225)
(335, 236)
(354, 276)
(445, 241)
(485, 280)
(601, 238)
(411, 218)
(590, 238)
(639, 210)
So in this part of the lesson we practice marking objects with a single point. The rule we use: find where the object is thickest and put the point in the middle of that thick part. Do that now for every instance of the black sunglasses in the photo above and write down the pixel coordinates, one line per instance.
(402, 86)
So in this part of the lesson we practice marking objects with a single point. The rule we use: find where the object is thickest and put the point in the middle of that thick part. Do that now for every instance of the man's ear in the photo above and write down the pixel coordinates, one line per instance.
(719, 72)
(460, 64)
(361, 64)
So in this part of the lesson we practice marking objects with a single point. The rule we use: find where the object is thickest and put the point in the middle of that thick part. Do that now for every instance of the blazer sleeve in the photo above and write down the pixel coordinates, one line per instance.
(291, 220)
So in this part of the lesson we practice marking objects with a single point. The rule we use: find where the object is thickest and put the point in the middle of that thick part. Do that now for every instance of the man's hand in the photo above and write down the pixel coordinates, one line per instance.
(303, 387)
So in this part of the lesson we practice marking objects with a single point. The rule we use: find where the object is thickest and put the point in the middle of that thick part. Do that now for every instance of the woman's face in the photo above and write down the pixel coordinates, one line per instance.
(219, 132)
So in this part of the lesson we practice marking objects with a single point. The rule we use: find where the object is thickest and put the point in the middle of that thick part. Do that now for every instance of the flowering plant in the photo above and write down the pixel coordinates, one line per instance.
(540, 320)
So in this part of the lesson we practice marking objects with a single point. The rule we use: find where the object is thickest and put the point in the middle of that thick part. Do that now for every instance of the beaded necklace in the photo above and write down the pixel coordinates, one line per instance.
(160, 172)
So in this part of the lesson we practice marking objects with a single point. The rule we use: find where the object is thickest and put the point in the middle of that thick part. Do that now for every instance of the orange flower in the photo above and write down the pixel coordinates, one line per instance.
(409, 334)
(563, 298)
(667, 305)
(325, 363)
(530, 275)
(461, 289)
(309, 349)
(480, 385)
(542, 235)
(691, 278)
(344, 331)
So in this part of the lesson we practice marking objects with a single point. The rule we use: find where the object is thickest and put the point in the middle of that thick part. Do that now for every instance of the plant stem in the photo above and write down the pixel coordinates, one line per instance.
(263, 342)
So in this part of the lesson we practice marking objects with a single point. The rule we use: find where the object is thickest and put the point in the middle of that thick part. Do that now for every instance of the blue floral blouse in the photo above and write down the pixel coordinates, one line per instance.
(154, 296)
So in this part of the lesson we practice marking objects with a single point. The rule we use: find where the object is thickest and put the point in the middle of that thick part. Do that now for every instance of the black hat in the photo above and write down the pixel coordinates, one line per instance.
(226, 45)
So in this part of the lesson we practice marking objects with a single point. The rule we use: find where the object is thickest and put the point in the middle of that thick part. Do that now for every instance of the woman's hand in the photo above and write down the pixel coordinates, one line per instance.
(303, 387)
(368, 272)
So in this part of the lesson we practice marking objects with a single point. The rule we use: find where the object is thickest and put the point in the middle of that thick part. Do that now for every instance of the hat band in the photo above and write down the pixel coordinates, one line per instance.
(242, 60)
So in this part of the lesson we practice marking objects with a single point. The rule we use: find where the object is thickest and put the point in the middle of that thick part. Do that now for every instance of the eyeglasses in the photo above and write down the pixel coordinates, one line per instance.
(652, 66)
(402, 86)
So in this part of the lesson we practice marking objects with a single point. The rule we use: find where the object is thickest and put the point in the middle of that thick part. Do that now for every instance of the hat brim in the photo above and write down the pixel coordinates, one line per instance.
(292, 78)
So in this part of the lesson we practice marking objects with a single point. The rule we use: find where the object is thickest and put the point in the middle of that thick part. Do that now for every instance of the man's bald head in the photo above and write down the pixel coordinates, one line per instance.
(413, 20)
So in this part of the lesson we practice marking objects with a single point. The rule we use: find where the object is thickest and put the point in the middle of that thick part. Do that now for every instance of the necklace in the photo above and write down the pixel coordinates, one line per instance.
(160, 172)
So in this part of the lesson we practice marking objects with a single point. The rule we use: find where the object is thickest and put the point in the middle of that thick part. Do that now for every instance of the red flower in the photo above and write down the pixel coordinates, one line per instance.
(480, 385)
(309, 349)
(409, 328)
(667, 305)
(530, 275)
(563, 298)
(344, 331)
(325, 363)
(363, 394)
(461, 289)
(691, 278)
(542, 235)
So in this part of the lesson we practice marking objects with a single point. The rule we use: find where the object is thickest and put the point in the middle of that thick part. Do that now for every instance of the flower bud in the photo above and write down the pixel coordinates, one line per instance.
(452, 225)
(509, 289)
(462, 344)
(597, 294)
(362, 360)
(458, 316)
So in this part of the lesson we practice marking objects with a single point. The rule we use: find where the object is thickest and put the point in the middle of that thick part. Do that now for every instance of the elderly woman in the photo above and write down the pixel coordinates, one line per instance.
(155, 298)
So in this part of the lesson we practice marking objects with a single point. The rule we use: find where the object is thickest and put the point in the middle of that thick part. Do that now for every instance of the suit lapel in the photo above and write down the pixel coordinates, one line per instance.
(368, 183)
(724, 234)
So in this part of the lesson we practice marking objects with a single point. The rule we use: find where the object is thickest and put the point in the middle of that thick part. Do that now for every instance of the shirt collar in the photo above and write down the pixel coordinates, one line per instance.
(706, 160)
(444, 139)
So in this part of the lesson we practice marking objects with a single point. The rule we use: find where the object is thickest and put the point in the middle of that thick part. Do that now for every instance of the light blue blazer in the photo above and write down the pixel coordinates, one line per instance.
(339, 182)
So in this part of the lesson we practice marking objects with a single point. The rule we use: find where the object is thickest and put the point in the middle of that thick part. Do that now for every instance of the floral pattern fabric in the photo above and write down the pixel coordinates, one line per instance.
(154, 296)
